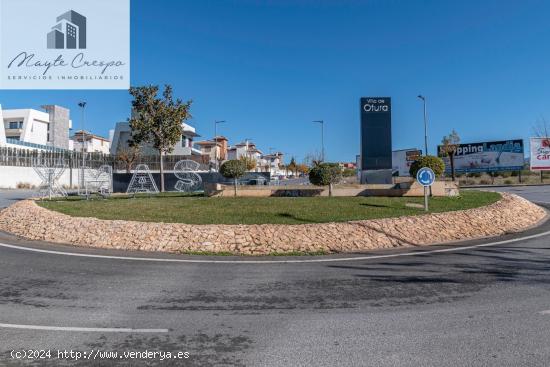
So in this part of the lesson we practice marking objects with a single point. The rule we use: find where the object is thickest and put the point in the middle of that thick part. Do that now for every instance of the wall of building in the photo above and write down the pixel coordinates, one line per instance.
(60, 123)
(43, 128)
(35, 124)
(11, 177)
(122, 134)
(93, 145)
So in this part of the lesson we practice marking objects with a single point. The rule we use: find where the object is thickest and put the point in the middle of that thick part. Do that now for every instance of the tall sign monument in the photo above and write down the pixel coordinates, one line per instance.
(376, 146)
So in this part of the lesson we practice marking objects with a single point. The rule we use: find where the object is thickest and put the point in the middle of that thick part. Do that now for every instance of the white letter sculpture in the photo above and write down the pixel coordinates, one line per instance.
(49, 173)
(98, 181)
(142, 181)
(188, 179)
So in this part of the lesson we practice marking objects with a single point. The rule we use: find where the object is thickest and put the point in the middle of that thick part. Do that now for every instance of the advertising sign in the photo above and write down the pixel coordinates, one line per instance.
(505, 155)
(540, 154)
(402, 160)
(376, 133)
(64, 44)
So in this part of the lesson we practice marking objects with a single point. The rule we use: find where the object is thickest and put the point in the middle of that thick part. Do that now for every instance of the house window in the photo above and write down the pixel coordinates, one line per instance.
(16, 124)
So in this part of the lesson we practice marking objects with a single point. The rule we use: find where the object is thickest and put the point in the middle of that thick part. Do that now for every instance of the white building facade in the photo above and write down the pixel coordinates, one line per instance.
(122, 134)
(30, 128)
(90, 143)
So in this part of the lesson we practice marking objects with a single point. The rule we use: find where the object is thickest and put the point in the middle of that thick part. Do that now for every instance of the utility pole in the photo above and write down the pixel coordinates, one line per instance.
(425, 124)
(82, 106)
(322, 122)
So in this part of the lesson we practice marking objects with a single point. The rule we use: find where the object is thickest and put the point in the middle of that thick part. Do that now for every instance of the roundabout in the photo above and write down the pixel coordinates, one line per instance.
(481, 302)
(505, 215)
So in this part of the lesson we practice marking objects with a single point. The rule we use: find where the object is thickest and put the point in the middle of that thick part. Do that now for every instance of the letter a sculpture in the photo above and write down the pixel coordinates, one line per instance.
(188, 179)
(142, 181)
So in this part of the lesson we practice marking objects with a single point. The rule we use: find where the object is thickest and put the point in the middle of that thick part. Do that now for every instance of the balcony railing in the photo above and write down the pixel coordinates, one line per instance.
(33, 145)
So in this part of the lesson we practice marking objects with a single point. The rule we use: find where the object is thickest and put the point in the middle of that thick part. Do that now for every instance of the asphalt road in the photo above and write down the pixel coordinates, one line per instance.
(480, 306)
(539, 194)
(8, 197)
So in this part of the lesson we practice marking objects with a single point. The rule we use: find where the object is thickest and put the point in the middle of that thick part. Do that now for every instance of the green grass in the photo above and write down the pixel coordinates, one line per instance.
(171, 208)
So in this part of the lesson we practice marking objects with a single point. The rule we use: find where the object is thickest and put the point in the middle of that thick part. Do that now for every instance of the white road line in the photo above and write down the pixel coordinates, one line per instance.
(545, 312)
(295, 261)
(81, 329)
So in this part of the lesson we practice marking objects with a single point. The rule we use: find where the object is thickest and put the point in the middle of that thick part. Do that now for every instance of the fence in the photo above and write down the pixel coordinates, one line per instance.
(17, 157)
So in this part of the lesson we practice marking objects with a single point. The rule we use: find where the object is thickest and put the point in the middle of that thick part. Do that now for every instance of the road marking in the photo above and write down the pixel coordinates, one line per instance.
(81, 329)
(545, 312)
(321, 260)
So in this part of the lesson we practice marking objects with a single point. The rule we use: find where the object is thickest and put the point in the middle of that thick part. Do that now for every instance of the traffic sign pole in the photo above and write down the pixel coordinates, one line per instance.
(426, 198)
(425, 177)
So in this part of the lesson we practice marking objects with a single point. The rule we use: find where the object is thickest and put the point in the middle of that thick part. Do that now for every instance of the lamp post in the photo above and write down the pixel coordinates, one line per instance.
(425, 124)
(82, 106)
(322, 122)
(216, 141)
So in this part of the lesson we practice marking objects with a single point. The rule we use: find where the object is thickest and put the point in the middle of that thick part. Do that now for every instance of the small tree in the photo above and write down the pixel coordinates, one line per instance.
(325, 174)
(435, 163)
(128, 156)
(249, 162)
(292, 166)
(234, 169)
(349, 172)
(303, 168)
(158, 121)
(449, 146)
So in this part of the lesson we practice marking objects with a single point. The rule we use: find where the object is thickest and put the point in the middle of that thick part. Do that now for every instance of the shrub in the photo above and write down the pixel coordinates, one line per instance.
(467, 182)
(430, 161)
(474, 174)
(508, 182)
(325, 174)
(348, 172)
(233, 169)
(24, 185)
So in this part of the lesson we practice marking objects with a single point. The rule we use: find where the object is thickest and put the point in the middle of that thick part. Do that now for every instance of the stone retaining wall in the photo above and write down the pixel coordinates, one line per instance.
(510, 214)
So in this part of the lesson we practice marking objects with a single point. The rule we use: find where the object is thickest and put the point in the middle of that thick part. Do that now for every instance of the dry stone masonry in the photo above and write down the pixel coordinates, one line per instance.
(510, 214)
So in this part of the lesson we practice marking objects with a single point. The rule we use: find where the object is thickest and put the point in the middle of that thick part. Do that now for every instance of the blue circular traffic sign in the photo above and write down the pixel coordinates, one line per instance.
(425, 176)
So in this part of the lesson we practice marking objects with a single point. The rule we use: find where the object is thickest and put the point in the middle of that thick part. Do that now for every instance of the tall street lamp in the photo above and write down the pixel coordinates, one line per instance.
(322, 122)
(425, 124)
(216, 141)
(82, 106)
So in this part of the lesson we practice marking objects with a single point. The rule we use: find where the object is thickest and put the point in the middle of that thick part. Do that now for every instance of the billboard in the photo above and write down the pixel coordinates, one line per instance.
(402, 160)
(540, 154)
(489, 156)
(375, 133)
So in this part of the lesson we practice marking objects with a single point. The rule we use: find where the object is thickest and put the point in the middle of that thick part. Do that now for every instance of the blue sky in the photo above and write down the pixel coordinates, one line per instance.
(271, 67)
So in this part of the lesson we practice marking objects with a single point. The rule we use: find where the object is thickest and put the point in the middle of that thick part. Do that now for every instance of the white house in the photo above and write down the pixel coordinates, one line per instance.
(122, 135)
(92, 143)
(264, 163)
(32, 128)
(244, 149)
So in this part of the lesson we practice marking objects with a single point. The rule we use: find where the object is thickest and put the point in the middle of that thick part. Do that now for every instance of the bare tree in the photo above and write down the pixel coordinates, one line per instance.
(313, 159)
(129, 156)
(542, 128)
